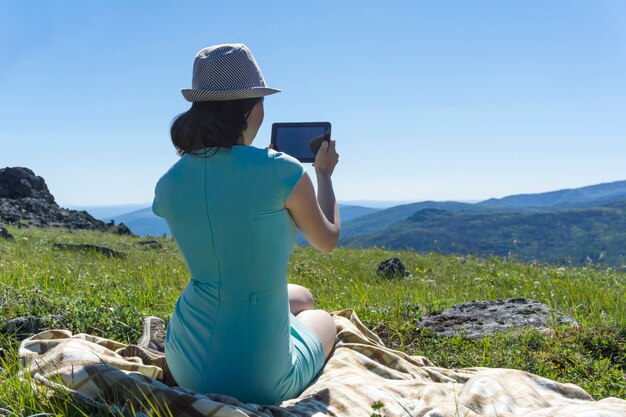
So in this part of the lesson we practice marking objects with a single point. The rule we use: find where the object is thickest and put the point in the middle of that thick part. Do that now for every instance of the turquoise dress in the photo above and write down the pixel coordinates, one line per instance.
(231, 332)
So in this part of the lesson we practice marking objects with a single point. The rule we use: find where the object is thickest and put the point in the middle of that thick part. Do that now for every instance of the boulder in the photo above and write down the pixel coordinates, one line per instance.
(150, 244)
(23, 327)
(19, 182)
(477, 319)
(391, 268)
(87, 247)
(122, 229)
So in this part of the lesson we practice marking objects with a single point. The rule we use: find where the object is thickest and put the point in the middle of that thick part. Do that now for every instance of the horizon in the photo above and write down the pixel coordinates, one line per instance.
(440, 102)
(357, 202)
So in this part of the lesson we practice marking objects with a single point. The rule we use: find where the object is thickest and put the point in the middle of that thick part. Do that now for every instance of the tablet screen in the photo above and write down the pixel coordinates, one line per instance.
(300, 139)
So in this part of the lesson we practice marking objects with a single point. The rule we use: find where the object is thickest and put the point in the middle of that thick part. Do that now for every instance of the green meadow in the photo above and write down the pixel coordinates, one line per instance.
(109, 297)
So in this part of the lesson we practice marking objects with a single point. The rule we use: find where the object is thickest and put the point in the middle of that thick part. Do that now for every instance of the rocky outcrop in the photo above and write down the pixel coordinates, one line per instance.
(123, 230)
(26, 200)
(476, 319)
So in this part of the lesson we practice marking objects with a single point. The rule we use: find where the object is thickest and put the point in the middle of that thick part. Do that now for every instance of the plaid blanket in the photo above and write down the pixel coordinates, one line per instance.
(127, 379)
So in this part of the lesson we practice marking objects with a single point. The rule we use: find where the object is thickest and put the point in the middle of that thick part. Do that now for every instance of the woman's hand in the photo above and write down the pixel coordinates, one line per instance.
(326, 158)
(317, 220)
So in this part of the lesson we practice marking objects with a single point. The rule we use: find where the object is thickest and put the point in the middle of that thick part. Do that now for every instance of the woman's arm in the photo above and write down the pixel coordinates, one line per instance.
(318, 220)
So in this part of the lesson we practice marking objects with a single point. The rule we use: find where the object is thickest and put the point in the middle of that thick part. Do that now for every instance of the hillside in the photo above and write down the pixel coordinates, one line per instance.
(347, 213)
(89, 292)
(592, 195)
(589, 196)
(575, 236)
(385, 218)
(143, 222)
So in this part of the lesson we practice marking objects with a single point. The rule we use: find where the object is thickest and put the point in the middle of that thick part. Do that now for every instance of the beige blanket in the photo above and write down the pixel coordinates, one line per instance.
(361, 371)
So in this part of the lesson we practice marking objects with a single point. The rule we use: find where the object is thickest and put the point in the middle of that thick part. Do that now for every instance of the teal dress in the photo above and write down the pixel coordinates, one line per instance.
(231, 332)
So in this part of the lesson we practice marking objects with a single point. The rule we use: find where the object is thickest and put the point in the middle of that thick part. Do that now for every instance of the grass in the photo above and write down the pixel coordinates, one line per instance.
(109, 297)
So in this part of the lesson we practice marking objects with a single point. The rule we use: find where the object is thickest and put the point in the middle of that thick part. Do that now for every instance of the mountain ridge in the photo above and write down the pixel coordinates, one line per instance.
(568, 197)
(587, 196)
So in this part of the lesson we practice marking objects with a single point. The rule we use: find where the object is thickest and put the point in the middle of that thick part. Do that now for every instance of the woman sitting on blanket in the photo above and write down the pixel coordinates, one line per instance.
(238, 328)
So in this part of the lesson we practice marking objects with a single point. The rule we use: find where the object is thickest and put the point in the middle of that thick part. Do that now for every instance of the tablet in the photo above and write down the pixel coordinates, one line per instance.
(300, 140)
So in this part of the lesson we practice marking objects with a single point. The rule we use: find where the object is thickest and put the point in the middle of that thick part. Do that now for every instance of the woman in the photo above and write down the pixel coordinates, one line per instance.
(238, 328)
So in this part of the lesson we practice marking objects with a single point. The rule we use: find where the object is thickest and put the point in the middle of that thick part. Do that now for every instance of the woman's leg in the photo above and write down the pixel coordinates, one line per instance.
(323, 325)
(300, 299)
(301, 305)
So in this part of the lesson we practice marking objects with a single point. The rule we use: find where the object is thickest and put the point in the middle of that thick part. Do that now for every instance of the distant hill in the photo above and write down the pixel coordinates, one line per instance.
(593, 195)
(557, 236)
(347, 213)
(143, 222)
(384, 218)
(108, 212)
(590, 196)
(377, 204)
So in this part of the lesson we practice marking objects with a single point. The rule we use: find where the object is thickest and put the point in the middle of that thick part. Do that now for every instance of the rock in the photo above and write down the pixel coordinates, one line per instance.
(26, 200)
(23, 327)
(477, 319)
(391, 268)
(122, 229)
(23, 183)
(150, 244)
(88, 247)
(5, 233)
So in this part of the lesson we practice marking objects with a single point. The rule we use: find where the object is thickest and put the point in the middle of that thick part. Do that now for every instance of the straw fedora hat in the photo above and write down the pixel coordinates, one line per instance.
(226, 72)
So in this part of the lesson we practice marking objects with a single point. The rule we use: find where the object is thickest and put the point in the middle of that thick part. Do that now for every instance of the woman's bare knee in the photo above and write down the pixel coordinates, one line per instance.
(300, 299)
(322, 324)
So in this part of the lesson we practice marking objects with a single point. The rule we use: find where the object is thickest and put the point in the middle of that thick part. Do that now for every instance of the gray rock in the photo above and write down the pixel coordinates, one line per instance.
(21, 182)
(391, 268)
(26, 201)
(23, 327)
(5, 233)
(122, 229)
(477, 319)
(150, 244)
(87, 247)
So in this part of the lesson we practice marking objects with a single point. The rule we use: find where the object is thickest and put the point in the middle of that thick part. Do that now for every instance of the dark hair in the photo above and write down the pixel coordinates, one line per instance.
(211, 123)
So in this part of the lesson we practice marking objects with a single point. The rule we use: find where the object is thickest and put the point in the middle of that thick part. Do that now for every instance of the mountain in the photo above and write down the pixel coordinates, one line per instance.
(593, 195)
(143, 222)
(557, 236)
(349, 212)
(377, 204)
(346, 213)
(108, 212)
(384, 218)
(590, 196)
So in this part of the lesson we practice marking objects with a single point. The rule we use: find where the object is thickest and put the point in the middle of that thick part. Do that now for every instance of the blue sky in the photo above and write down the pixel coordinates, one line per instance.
(429, 100)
